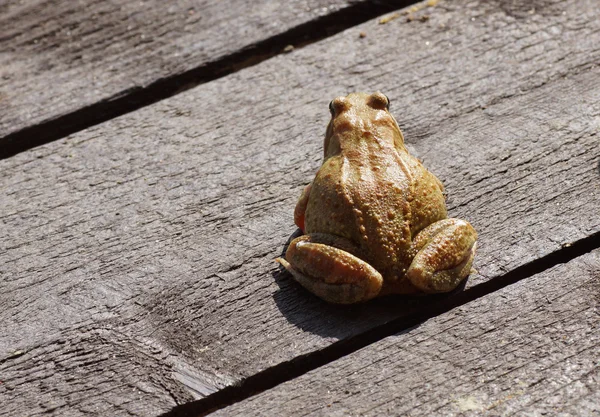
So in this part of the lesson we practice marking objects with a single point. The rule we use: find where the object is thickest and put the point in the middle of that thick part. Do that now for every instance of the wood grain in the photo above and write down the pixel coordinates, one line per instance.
(59, 57)
(159, 228)
(529, 349)
(81, 373)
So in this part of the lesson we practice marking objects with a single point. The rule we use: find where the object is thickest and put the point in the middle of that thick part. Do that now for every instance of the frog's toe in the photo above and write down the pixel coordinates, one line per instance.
(430, 280)
(445, 256)
(332, 293)
(331, 273)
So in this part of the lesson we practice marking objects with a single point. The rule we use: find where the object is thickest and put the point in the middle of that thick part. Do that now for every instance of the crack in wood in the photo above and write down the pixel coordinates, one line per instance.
(301, 365)
(135, 98)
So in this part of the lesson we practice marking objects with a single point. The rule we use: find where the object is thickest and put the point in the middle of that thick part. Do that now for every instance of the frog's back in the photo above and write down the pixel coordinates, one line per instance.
(330, 206)
(364, 197)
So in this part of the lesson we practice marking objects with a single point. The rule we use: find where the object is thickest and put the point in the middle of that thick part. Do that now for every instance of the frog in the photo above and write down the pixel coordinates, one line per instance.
(374, 220)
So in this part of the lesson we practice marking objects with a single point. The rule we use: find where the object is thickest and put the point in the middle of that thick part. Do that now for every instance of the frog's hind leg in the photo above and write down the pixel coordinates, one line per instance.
(324, 265)
(444, 254)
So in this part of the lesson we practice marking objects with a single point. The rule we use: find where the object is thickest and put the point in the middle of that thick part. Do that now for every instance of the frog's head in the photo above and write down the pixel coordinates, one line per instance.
(358, 117)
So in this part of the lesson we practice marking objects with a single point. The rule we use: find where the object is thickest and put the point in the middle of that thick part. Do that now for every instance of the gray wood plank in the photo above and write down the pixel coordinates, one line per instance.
(60, 57)
(158, 229)
(530, 349)
(88, 371)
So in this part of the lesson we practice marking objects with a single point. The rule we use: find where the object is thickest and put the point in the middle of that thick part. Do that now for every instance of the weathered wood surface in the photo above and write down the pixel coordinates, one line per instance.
(529, 349)
(154, 234)
(58, 57)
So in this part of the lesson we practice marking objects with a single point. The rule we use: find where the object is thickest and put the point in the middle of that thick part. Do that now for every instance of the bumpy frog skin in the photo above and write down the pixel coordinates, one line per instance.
(374, 218)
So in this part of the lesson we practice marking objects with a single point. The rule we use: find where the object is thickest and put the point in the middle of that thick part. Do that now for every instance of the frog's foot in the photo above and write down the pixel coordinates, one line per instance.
(444, 255)
(324, 265)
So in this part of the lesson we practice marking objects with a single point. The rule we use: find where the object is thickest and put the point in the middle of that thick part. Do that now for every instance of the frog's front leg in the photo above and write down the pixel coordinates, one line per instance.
(328, 267)
(444, 254)
(300, 210)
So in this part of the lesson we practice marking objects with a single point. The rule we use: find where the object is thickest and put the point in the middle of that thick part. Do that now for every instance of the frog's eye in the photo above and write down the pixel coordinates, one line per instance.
(337, 106)
(379, 101)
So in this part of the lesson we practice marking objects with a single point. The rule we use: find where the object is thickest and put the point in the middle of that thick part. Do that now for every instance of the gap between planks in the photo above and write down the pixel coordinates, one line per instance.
(286, 371)
(133, 99)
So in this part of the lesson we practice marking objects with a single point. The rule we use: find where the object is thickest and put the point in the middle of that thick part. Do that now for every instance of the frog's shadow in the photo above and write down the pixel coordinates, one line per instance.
(311, 314)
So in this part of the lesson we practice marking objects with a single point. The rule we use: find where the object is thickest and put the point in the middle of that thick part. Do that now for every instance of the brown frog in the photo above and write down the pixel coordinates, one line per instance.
(374, 217)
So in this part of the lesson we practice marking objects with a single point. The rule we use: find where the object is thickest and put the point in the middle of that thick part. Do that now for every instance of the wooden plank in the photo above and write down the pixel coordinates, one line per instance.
(529, 349)
(66, 63)
(79, 373)
(159, 229)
